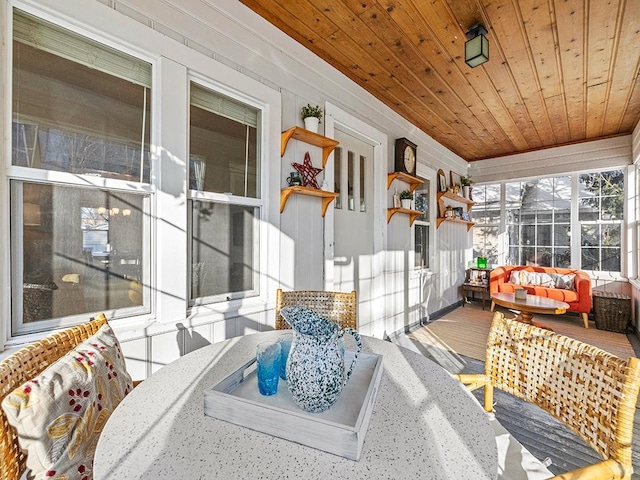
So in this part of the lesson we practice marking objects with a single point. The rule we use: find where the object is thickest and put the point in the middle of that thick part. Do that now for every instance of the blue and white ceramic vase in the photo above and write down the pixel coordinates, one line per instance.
(316, 372)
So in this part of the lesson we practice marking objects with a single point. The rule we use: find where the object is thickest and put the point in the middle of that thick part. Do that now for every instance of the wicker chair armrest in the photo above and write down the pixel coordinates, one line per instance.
(605, 470)
(474, 381)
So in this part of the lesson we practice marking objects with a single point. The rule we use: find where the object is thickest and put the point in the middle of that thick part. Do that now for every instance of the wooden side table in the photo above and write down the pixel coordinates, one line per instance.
(477, 280)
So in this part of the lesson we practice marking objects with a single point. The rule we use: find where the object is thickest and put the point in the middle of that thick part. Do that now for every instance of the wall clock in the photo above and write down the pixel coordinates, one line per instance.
(405, 156)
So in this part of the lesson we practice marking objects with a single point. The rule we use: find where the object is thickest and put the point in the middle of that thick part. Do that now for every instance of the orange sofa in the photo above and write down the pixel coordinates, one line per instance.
(579, 297)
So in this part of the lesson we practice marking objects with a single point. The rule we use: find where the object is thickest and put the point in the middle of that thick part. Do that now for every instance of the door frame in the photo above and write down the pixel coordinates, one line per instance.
(336, 117)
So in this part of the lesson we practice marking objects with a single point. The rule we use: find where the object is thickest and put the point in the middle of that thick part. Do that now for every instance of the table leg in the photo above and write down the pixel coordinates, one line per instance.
(526, 317)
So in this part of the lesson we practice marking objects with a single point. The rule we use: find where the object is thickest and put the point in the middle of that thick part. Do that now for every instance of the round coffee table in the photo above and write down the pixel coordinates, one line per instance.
(527, 307)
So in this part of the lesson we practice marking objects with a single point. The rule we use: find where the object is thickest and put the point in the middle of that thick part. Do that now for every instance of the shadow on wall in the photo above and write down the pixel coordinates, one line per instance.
(188, 340)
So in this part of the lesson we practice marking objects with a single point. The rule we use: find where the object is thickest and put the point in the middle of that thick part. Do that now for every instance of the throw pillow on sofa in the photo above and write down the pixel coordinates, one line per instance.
(537, 279)
(566, 282)
(59, 414)
(515, 277)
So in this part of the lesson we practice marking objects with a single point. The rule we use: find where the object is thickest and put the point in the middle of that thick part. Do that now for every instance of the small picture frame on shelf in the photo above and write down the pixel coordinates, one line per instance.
(456, 182)
(457, 212)
(466, 217)
(442, 181)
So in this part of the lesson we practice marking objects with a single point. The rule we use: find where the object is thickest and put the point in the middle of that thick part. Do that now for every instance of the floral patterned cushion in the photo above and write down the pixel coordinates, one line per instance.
(60, 413)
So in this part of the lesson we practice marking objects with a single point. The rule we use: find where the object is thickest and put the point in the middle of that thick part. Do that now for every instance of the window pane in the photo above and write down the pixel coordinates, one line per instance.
(611, 259)
(223, 253)
(561, 236)
(562, 257)
(590, 258)
(422, 246)
(79, 250)
(544, 235)
(71, 117)
(337, 176)
(485, 243)
(421, 197)
(362, 177)
(421, 231)
(223, 150)
(350, 179)
(514, 234)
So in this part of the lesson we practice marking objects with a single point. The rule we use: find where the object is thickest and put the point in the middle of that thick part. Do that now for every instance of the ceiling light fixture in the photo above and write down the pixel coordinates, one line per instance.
(476, 48)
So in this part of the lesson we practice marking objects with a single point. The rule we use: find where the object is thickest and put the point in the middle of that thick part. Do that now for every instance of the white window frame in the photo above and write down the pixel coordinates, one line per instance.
(229, 199)
(575, 246)
(427, 174)
(171, 63)
(65, 179)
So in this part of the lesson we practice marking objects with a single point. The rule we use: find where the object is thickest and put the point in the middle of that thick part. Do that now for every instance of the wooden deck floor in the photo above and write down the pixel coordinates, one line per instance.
(457, 342)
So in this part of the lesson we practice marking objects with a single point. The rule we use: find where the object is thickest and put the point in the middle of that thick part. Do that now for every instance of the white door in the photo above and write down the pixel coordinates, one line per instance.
(354, 220)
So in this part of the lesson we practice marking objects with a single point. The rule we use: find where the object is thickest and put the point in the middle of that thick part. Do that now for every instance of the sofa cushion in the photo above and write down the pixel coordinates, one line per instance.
(59, 414)
(568, 296)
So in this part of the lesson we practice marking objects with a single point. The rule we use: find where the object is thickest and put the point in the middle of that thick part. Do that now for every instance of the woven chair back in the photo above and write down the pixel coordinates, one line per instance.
(589, 390)
(341, 308)
(22, 366)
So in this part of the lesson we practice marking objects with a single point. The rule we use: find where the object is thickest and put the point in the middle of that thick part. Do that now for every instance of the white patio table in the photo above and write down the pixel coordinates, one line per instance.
(424, 425)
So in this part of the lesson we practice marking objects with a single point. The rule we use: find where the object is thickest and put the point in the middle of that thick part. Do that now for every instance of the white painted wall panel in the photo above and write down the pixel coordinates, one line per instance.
(165, 348)
(635, 145)
(137, 357)
(610, 152)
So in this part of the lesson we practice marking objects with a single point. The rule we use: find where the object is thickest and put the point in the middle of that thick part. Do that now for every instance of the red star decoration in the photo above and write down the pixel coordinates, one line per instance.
(308, 172)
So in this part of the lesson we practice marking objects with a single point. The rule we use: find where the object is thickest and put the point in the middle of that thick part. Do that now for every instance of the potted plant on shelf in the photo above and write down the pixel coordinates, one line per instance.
(466, 183)
(406, 197)
(311, 115)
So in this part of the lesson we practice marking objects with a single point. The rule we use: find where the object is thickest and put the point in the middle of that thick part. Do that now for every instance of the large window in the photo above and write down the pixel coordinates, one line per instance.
(601, 212)
(539, 221)
(486, 215)
(82, 110)
(422, 226)
(225, 191)
(540, 226)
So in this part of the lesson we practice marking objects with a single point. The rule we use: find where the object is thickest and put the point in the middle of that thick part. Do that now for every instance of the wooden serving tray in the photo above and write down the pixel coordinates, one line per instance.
(339, 430)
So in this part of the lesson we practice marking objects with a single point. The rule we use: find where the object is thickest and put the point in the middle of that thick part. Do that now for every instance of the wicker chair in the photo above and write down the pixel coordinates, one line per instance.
(589, 390)
(339, 307)
(23, 365)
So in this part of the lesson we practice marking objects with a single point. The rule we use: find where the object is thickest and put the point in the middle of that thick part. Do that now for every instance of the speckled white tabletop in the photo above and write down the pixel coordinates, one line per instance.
(424, 425)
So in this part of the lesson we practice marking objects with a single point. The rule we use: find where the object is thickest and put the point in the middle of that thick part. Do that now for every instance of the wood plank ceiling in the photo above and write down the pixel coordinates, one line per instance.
(559, 71)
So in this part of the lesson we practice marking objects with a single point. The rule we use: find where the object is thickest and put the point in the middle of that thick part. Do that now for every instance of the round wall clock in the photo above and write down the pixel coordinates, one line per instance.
(405, 156)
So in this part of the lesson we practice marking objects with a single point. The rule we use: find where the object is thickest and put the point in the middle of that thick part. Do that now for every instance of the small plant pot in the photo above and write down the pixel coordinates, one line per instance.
(311, 124)
(466, 191)
(406, 203)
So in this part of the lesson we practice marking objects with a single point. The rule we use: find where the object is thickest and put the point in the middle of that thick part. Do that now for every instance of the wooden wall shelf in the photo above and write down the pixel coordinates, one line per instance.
(327, 144)
(405, 177)
(413, 214)
(439, 220)
(457, 198)
(327, 197)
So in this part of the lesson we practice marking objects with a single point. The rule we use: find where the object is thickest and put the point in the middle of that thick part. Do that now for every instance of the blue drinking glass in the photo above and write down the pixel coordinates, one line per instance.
(285, 346)
(268, 358)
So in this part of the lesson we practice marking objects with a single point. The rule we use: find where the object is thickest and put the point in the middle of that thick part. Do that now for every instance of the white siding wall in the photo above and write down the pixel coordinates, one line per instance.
(610, 152)
(229, 40)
